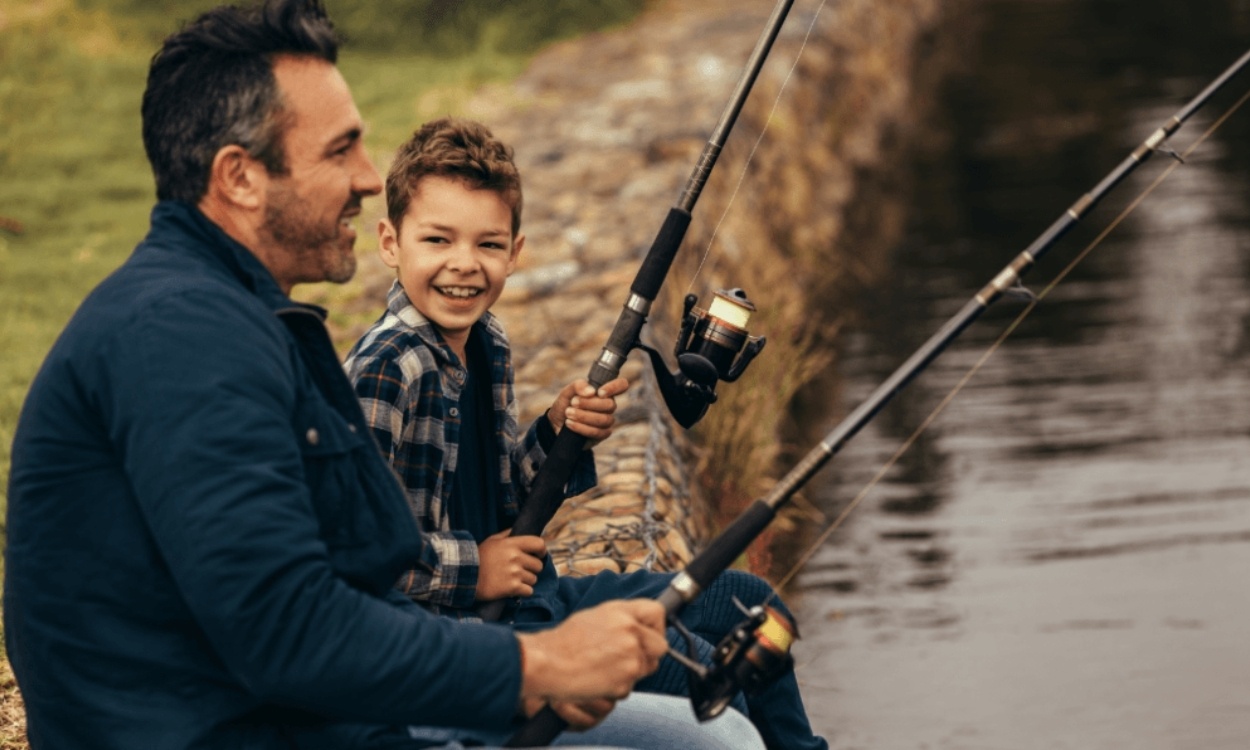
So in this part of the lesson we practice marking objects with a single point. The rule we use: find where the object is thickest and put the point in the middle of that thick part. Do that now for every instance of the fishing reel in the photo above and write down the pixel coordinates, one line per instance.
(713, 345)
(749, 658)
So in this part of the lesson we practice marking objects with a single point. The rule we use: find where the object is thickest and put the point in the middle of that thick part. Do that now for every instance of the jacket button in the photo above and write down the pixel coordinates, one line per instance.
(351, 428)
(454, 412)
(312, 436)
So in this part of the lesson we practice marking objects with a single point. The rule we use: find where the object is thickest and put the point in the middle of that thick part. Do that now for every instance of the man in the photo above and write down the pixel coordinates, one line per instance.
(202, 537)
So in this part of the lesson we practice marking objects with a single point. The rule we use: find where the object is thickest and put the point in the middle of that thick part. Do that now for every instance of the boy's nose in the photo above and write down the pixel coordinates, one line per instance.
(462, 258)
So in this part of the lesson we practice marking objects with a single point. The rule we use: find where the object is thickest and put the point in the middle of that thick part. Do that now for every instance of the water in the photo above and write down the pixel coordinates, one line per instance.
(1060, 561)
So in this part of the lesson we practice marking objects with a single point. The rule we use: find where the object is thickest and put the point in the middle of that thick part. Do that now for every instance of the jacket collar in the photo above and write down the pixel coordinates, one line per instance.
(209, 242)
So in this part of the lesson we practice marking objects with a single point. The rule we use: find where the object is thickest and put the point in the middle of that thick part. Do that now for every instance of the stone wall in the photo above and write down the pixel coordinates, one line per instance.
(607, 129)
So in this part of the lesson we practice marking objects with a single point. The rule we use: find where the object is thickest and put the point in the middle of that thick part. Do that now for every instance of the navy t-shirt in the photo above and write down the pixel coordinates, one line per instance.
(475, 501)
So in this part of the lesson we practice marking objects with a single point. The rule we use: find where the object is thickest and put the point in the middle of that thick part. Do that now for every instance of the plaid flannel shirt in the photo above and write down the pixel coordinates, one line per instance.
(409, 381)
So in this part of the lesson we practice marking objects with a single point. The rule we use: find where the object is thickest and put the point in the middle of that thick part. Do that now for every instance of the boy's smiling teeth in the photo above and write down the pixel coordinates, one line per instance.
(459, 291)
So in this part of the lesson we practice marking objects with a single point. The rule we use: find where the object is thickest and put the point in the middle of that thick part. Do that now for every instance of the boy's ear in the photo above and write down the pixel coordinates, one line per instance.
(517, 245)
(237, 179)
(388, 243)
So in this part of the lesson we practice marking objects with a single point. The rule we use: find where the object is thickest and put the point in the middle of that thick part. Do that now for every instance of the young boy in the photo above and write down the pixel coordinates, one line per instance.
(435, 378)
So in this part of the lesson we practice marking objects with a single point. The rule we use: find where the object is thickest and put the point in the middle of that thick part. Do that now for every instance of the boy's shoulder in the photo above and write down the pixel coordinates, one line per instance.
(401, 338)
(391, 355)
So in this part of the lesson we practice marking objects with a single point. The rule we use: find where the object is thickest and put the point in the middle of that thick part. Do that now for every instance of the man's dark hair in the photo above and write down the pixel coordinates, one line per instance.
(212, 85)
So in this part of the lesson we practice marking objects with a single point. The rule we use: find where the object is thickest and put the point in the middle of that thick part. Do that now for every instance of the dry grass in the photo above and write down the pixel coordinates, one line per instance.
(12, 711)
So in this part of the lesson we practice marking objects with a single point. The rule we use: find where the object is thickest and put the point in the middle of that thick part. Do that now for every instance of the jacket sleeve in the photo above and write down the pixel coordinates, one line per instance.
(390, 398)
(201, 395)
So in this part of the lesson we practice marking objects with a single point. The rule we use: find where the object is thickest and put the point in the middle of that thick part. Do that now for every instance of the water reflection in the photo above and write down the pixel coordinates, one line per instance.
(1055, 562)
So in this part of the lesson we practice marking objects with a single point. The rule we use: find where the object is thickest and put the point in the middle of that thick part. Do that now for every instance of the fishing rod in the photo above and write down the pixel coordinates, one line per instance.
(712, 345)
(734, 540)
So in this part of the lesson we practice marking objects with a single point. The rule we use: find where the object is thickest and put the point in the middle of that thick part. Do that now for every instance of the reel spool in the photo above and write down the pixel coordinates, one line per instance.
(713, 345)
(749, 658)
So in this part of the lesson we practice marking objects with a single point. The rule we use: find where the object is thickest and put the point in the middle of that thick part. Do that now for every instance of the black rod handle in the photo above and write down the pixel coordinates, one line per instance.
(547, 493)
(539, 731)
(659, 260)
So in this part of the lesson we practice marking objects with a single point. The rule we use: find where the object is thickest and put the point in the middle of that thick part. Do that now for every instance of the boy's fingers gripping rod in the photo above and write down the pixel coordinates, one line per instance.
(730, 544)
(547, 492)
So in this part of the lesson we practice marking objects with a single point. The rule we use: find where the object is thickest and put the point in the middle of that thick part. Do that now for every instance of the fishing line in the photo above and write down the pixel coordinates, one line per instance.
(1177, 161)
(760, 139)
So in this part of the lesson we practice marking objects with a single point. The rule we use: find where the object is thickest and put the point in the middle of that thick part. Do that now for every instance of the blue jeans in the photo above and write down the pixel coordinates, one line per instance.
(644, 721)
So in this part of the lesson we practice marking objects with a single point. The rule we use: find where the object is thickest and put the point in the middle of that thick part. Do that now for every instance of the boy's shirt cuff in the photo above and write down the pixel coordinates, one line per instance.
(452, 578)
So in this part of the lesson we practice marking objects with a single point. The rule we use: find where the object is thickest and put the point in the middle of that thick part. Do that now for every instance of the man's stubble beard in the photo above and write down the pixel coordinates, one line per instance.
(313, 253)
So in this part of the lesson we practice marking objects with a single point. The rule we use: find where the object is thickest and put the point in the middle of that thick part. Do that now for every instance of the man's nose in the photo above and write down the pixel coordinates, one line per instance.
(366, 180)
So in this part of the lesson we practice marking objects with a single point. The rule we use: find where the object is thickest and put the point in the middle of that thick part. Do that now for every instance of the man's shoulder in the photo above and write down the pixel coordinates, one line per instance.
(145, 289)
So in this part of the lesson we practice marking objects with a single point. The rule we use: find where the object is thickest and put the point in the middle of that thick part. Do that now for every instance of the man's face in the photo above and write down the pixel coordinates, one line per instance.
(308, 209)
(454, 252)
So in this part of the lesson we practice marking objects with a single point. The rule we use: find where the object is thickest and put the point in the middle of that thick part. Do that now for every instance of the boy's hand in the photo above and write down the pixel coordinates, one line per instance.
(586, 411)
(508, 565)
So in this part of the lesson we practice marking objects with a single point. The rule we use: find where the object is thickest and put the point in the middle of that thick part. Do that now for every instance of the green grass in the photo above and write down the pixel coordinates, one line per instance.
(71, 173)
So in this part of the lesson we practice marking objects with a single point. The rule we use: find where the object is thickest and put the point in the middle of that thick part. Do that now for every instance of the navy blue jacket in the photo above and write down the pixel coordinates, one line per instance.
(202, 535)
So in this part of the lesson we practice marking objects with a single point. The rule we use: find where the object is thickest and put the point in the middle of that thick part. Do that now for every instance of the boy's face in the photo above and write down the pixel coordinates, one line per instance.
(454, 252)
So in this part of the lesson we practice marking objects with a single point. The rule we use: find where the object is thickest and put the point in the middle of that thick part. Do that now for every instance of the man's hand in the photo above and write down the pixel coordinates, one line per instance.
(586, 411)
(597, 653)
(508, 565)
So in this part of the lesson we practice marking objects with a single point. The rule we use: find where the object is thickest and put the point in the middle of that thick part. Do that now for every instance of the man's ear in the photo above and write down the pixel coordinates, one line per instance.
(388, 243)
(238, 179)
(517, 245)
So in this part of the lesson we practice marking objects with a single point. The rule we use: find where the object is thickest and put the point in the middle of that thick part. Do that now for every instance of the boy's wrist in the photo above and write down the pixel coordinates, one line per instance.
(546, 432)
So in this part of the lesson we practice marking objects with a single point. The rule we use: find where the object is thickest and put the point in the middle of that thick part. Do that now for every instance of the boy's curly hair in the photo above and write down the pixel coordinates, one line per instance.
(457, 148)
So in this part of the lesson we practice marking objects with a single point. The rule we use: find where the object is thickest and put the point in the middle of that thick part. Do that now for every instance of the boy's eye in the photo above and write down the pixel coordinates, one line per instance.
(435, 239)
(493, 245)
